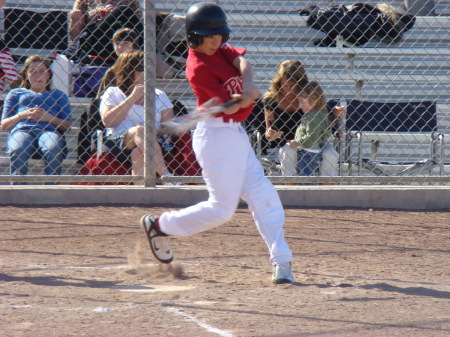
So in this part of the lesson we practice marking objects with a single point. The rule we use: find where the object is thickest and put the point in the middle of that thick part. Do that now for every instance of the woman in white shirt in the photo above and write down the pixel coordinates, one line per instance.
(122, 112)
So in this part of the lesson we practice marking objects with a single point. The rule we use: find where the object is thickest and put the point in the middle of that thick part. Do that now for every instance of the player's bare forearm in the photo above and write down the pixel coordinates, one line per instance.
(248, 76)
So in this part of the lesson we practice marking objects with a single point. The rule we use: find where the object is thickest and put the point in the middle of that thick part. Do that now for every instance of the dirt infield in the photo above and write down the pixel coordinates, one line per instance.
(87, 271)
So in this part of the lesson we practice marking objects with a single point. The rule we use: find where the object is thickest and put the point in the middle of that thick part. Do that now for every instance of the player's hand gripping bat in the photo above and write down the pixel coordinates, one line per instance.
(184, 123)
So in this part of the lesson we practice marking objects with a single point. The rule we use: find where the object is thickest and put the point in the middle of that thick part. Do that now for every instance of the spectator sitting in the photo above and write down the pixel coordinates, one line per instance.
(126, 39)
(313, 130)
(97, 21)
(122, 113)
(36, 117)
(282, 116)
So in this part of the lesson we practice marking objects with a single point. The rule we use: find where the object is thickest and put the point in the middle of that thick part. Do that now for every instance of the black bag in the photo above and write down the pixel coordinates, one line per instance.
(357, 24)
(90, 121)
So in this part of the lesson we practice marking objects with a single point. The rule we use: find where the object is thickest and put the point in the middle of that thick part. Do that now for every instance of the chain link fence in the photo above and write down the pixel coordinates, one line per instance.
(385, 77)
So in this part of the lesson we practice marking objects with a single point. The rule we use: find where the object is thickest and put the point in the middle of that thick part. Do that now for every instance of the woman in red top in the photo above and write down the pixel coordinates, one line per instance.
(229, 166)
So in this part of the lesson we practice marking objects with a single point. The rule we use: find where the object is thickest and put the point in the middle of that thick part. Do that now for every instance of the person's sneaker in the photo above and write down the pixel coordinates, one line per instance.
(282, 273)
(72, 50)
(159, 242)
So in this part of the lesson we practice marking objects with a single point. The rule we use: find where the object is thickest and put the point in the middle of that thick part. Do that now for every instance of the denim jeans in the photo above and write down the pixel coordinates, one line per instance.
(308, 163)
(23, 144)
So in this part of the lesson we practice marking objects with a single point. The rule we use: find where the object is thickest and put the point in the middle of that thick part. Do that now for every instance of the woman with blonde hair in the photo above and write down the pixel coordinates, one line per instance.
(36, 117)
(281, 112)
(122, 112)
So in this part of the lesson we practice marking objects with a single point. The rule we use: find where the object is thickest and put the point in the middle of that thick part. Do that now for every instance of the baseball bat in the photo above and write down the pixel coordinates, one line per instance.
(185, 123)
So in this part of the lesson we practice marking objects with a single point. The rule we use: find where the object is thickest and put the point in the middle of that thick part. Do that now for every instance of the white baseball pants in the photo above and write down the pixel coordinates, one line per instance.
(231, 171)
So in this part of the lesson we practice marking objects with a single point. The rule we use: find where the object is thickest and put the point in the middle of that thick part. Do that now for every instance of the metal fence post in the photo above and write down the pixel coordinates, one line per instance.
(149, 101)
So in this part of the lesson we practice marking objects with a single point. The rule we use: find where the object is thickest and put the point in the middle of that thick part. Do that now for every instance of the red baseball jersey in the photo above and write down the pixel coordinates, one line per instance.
(215, 76)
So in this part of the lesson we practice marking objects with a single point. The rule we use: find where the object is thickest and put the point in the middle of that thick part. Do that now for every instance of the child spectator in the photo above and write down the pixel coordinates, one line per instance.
(313, 131)
(126, 39)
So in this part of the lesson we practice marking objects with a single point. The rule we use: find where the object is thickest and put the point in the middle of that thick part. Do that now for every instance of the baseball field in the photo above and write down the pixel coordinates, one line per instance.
(88, 271)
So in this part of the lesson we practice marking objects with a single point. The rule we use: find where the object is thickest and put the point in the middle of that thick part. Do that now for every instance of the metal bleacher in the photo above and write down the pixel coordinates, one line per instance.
(418, 68)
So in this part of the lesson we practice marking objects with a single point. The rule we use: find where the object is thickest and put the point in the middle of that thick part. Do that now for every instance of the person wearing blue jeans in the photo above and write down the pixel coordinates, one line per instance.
(308, 162)
(36, 117)
(22, 145)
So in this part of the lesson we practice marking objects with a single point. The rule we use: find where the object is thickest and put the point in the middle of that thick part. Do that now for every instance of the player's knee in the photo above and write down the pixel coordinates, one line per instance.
(222, 213)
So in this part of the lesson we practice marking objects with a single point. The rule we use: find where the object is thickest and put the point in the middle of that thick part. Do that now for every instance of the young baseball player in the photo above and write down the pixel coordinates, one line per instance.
(229, 166)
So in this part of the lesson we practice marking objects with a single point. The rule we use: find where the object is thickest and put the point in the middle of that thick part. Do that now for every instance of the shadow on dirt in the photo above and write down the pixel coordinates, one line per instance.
(53, 281)
(415, 291)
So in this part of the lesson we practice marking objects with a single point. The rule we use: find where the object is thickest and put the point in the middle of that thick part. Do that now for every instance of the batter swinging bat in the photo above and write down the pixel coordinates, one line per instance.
(184, 123)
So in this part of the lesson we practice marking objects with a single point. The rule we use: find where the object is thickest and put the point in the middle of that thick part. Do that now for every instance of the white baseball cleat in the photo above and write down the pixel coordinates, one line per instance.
(282, 273)
(159, 242)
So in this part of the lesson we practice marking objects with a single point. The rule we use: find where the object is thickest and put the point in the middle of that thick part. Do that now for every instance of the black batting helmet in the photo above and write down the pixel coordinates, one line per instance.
(205, 19)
